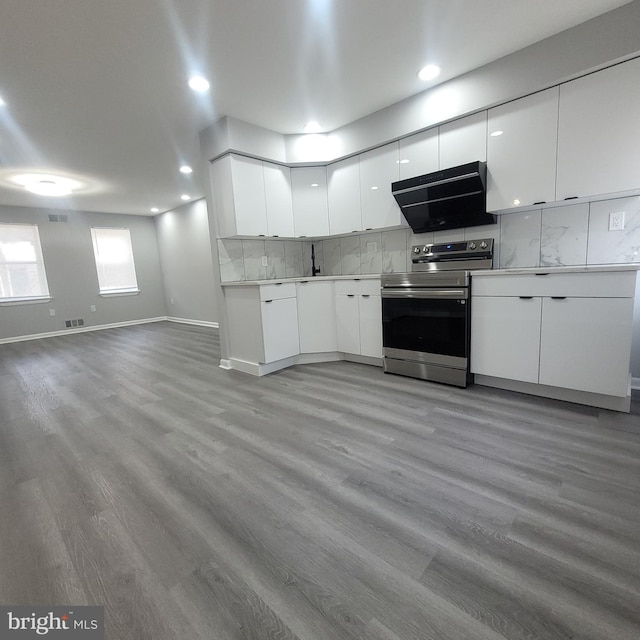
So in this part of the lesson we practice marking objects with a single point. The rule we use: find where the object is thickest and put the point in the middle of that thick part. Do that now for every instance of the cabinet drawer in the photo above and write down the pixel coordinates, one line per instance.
(277, 291)
(368, 287)
(610, 284)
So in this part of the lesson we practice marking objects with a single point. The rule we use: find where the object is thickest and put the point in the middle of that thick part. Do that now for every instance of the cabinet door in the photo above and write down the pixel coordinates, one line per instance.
(343, 180)
(370, 308)
(279, 329)
(521, 162)
(586, 344)
(505, 337)
(309, 194)
(348, 323)
(316, 317)
(418, 154)
(463, 140)
(378, 169)
(248, 195)
(599, 132)
(277, 191)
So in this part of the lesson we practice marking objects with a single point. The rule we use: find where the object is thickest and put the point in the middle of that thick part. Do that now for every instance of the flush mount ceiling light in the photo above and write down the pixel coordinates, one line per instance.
(184, 196)
(46, 185)
(429, 72)
(185, 168)
(199, 84)
(312, 127)
(2, 102)
(495, 134)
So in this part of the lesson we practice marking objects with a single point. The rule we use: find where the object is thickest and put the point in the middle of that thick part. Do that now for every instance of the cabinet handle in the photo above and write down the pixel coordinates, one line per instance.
(542, 274)
(365, 295)
(526, 297)
(268, 301)
(558, 297)
(304, 281)
(350, 295)
(278, 284)
(540, 202)
(572, 198)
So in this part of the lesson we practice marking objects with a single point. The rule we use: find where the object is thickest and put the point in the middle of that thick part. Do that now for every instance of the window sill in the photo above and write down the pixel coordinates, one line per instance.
(12, 302)
(116, 294)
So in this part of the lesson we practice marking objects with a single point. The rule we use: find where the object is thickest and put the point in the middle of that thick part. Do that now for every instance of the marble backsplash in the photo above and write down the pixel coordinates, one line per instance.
(573, 234)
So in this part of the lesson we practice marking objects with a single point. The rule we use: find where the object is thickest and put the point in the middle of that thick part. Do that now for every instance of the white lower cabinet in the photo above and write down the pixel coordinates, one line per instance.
(359, 317)
(576, 337)
(279, 329)
(316, 316)
(505, 337)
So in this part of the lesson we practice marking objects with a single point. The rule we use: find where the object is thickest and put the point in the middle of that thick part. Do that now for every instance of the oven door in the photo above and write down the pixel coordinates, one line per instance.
(426, 325)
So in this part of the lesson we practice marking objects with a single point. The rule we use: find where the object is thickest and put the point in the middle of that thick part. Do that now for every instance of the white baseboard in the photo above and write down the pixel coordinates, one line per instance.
(197, 323)
(66, 332)
(225, 364)
(635, 384)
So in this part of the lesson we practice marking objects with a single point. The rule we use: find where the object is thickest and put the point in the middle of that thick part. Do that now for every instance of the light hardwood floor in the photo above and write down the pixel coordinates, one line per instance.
(324, 502)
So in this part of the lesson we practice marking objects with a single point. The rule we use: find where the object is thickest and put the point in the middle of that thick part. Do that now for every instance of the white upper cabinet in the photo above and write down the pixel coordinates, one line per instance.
(309, 194)
(599, 132)
(277, 191)
(418, 154)
(248, 196)
(344, 196)
(521, 161)
(463, 140)
(378, 169)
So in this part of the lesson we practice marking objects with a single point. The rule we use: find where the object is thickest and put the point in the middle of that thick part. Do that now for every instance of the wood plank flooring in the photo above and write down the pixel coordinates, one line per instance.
(324, 502)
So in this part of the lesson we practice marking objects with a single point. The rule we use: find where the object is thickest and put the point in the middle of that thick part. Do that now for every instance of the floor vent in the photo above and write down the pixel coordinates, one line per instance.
(74, 323)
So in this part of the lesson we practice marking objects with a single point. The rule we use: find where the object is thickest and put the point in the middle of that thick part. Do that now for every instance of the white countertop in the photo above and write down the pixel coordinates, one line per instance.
(243, 283)
(589, 268)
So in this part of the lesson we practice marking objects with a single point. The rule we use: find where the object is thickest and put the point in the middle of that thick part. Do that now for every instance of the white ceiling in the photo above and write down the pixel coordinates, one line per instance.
(98, 89)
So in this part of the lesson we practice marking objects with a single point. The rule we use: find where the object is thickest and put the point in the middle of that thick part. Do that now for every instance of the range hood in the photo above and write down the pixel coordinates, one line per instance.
(448, 199)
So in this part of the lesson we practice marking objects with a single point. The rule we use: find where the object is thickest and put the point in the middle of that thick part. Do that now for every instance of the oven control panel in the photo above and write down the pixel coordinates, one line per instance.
(468, 254)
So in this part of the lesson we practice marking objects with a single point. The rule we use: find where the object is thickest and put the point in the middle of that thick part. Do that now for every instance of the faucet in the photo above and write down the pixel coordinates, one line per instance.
(314, 270)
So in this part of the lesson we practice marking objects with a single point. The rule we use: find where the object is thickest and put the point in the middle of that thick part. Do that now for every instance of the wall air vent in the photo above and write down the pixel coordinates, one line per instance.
(58, 217)
(70, 324)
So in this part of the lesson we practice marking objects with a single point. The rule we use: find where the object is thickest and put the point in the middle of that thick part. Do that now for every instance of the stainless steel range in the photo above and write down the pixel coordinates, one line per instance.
(426, 313)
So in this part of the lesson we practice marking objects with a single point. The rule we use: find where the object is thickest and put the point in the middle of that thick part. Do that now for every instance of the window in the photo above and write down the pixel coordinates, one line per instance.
(22, 274)
(114, 260)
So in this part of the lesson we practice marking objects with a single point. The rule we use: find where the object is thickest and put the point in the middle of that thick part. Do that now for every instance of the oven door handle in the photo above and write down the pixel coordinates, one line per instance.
(434, 294)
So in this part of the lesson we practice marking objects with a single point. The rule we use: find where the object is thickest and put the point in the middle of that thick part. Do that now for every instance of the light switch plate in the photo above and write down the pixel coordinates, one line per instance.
(52, 312)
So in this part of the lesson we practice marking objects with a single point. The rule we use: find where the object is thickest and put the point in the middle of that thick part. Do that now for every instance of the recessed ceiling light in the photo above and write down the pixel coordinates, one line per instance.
(429, 72)
(155, 210)
(46, 185)
(403, 161)
(374, 188)
(315, 184)
(199, 84)
(2, 102)
(184, 196)
(185, 168)
(495, 134)
(312, 127)
(516, 202)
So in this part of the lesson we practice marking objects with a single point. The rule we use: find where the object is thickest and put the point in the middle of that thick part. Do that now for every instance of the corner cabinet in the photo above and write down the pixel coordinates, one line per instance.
(565, 330)
(309, 195)
(316, 316)
(343, 184)
(378, 169)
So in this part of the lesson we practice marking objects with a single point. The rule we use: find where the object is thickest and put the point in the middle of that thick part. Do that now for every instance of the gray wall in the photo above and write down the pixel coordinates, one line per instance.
(187, 267)
(72, 277)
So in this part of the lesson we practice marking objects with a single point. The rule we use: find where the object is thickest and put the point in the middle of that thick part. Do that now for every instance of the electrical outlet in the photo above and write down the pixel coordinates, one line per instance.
(372, 247)
(93, 308)
(52, 312)
(265, 262)
(616, 221)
